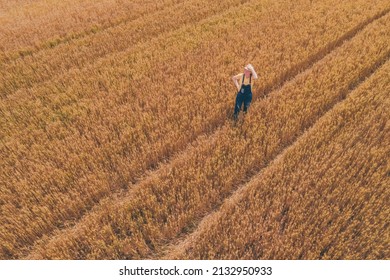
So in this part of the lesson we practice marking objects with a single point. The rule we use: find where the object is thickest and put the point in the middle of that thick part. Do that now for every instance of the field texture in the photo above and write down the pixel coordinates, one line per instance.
(117, 142)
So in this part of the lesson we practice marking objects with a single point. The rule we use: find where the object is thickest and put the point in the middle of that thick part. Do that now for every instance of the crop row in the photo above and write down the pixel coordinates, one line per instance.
(163, 207)
(70, 142)
(50, 64)
(28, 27)
(325, 197)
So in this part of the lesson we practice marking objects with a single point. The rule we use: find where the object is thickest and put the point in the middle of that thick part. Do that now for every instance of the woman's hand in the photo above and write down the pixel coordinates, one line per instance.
(250, 68)
(254, 74)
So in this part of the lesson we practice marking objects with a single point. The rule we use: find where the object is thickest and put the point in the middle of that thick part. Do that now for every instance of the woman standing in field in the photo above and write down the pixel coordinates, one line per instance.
(244, 94)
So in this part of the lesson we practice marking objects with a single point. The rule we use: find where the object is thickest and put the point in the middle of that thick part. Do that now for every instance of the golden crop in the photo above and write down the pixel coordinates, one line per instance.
(86, 50)
(115, 143)
(45, 24)
(325, 197)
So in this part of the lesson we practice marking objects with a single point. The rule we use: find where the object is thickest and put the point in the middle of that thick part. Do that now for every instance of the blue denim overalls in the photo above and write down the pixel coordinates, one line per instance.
(243, 96)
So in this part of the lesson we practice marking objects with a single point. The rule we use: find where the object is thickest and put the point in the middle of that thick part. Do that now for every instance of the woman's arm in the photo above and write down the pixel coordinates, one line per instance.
(235, 80)
(254, 74)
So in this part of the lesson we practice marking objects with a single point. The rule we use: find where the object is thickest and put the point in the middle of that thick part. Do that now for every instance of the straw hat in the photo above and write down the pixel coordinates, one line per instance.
(248, 67)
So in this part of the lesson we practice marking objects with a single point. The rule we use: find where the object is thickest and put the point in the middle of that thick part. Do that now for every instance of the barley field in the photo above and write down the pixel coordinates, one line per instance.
(117, 139)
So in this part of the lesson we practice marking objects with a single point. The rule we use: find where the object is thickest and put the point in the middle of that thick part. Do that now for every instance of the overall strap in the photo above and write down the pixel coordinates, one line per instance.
(250, 79)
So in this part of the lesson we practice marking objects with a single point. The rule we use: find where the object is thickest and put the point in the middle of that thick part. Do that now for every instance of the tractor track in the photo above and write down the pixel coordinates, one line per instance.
(180, 243)
(96, 59)
(283, 79)
(11, 56)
